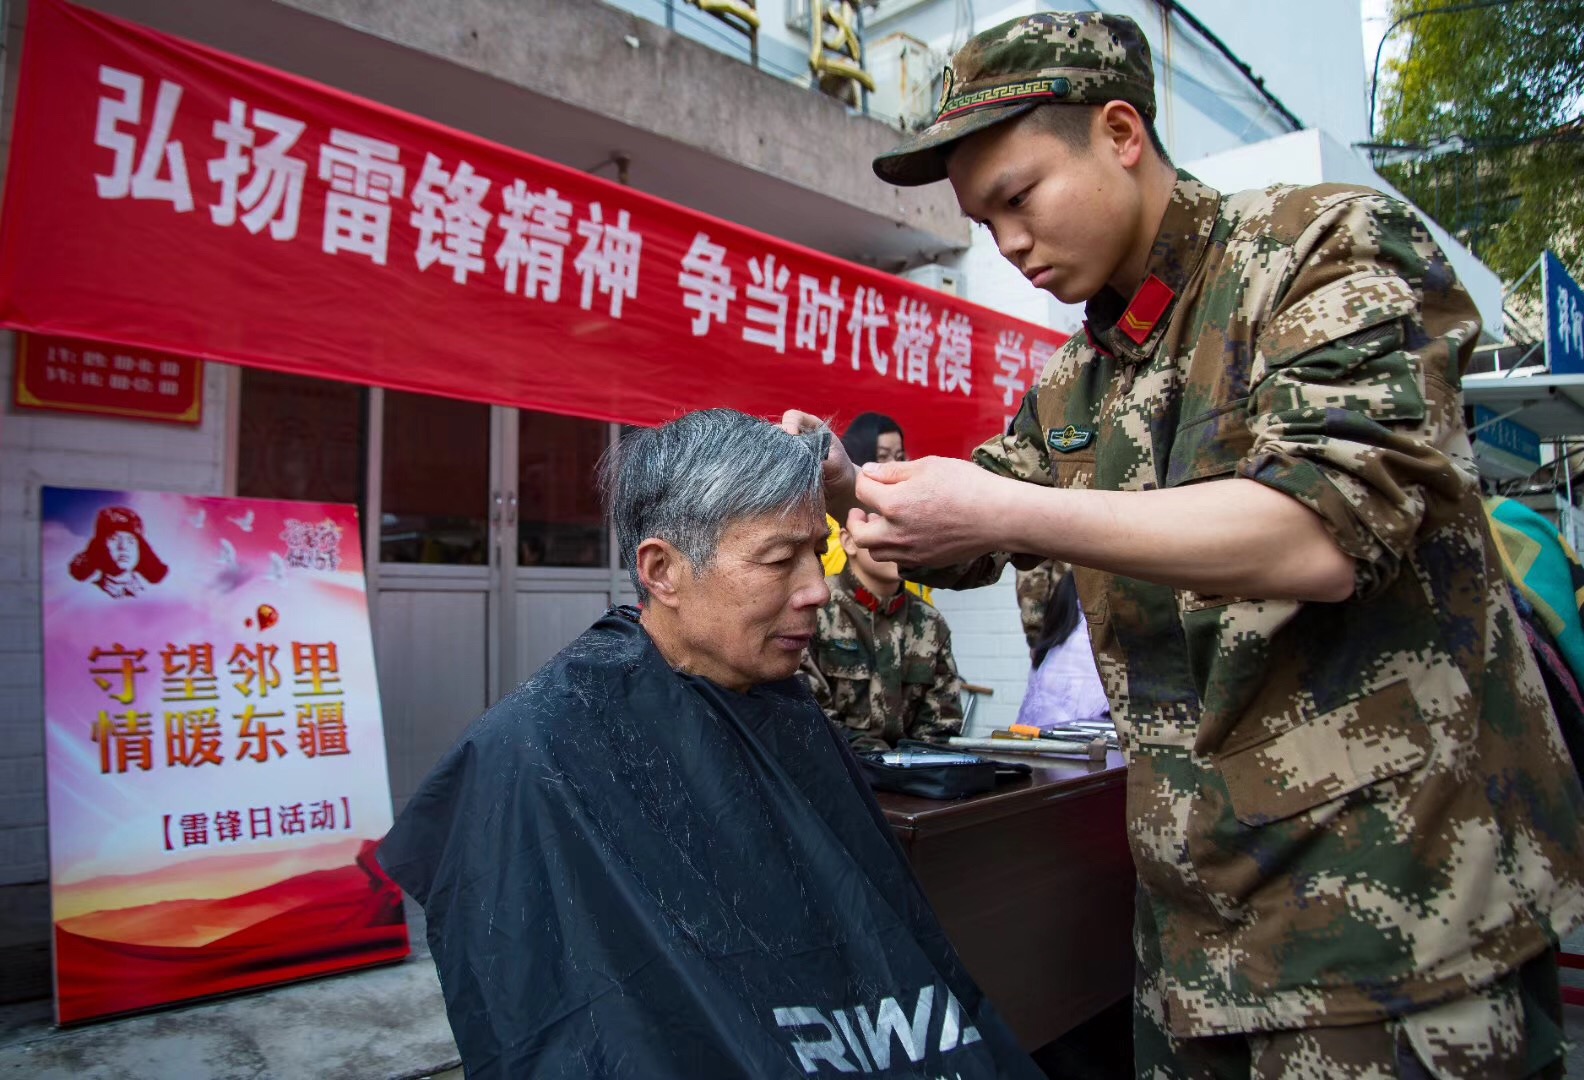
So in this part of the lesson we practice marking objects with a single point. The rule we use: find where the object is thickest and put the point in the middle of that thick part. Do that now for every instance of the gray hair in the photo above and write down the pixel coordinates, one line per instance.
(686, 482)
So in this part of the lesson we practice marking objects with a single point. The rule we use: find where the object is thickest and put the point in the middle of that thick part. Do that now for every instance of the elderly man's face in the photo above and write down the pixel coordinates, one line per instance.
(746, 618)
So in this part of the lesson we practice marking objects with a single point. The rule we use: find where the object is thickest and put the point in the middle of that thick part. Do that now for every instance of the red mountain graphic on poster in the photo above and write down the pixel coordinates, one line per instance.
(314, 923)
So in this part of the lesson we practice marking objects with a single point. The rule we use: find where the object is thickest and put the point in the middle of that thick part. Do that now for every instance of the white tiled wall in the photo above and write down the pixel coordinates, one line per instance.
(38, 449)
(987, 640)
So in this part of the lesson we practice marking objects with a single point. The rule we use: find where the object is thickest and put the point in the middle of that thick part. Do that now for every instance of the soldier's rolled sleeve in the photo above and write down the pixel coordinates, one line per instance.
(1020, 453)
(1354, 408)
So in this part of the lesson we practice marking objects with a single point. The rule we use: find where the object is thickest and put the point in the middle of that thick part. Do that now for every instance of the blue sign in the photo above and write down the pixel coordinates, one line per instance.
(1506, 435)
(1564, 318)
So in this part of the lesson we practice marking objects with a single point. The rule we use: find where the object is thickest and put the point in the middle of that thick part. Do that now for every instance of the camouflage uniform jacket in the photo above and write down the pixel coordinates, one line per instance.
(1339, 811)
(885, 674)
(1034, 590)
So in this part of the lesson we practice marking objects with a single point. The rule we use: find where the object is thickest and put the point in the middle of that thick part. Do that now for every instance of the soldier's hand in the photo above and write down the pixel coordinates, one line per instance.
(837, 472)
(926, 512)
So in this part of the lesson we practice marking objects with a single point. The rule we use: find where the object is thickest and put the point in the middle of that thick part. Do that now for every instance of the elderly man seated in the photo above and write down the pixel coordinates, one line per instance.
(654, 858)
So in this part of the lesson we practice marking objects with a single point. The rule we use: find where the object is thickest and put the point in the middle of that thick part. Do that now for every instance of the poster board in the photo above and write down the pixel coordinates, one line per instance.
(214, 748)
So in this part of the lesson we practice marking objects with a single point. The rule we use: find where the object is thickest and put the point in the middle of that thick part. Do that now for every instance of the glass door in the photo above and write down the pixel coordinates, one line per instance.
(486, 545)
(565, 574)
(433, 524)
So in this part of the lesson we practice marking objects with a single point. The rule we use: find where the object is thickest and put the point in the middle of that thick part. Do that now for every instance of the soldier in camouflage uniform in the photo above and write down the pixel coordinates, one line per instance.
(881, 664)
(1035, 587)
(1356, 832)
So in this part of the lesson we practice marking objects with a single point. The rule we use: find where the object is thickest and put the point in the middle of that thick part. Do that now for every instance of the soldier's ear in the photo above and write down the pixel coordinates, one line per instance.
(660, 570)
(1121, 130)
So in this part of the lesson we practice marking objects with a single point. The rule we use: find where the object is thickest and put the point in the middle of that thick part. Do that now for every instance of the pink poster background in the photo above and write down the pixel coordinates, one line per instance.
(212, 813)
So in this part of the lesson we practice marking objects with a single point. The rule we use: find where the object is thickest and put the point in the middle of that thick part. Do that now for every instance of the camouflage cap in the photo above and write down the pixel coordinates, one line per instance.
(1075, 58)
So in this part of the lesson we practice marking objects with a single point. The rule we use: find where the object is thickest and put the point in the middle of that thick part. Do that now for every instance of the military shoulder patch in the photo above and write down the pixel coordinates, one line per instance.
(1066, 440)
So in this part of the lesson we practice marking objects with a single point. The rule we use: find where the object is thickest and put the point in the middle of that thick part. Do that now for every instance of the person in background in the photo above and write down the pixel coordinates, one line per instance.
(1034, 590)
(1063, 686)
(1547, 583)
(871, 436)
(876, 437)
(880, 664)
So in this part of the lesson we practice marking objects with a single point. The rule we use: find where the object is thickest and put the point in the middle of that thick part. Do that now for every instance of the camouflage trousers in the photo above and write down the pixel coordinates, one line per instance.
(1510, 1030)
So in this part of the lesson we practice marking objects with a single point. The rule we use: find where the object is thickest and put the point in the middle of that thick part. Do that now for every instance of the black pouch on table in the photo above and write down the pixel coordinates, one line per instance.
(964, 775)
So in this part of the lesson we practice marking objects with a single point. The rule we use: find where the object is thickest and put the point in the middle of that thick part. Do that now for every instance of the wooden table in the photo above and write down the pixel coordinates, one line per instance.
(1034, 884)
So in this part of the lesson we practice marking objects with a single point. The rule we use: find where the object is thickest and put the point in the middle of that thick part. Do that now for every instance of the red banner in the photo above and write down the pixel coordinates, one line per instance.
(162, 195)
(74, 375)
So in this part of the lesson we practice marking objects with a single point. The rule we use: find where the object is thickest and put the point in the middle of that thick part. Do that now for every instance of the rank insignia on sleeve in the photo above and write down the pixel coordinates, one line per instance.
(1066, 440)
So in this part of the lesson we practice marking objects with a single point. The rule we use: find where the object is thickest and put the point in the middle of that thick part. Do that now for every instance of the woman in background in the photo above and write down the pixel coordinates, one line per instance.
(870, 437)
(1064, 685)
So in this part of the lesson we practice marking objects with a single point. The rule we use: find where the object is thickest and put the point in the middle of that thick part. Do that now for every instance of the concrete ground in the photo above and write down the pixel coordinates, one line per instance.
(385, 1023)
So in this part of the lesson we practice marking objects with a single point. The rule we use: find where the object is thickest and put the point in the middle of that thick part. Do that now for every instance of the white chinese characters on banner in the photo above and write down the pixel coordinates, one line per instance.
(159, 153)
(767, 304)
(364, 176)
(706, 285)
(273, 194)
(954, 357)
(450, 219)
(259, 167)
(537, 225)
(1012, 362)
(609, 259)
(819, 316)
(914, 341)
(867, 320)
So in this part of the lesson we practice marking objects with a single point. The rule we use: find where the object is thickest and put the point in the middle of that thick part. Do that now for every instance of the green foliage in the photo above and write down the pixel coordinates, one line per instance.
(1508, 80)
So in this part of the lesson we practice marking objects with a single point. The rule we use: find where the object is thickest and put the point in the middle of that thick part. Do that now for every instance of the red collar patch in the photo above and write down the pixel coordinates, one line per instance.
(875, 604)
(1148, 305)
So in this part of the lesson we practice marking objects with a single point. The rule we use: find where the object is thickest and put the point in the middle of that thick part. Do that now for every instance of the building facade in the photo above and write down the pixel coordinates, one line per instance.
(669, 100)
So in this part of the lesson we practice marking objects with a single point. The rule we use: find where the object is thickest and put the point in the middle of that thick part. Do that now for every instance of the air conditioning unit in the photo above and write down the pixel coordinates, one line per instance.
(905, 71)
(946, 279)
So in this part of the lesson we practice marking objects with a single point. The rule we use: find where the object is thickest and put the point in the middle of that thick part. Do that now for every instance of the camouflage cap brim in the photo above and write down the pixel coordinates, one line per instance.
(922, 159)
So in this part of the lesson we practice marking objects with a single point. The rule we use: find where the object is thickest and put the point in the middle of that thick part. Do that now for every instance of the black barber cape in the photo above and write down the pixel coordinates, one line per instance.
(629, 872)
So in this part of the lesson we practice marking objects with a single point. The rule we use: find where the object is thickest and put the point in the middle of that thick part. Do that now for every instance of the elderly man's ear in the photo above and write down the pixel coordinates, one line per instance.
(660, 568)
